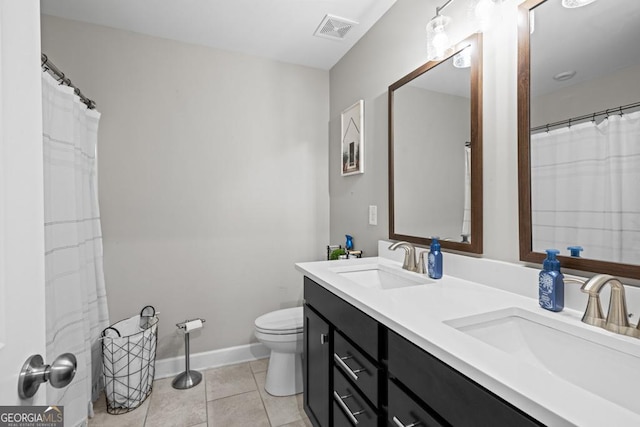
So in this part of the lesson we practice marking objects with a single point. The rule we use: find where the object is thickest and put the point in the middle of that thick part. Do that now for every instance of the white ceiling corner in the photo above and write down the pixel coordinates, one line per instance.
(277, 29)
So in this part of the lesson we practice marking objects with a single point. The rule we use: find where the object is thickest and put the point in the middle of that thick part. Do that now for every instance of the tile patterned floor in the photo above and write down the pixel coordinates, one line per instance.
(227, 397)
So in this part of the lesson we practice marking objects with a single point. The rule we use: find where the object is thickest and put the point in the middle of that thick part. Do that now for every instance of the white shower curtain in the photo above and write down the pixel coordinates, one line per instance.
(76, 309)
(584, 188)
(466, 216)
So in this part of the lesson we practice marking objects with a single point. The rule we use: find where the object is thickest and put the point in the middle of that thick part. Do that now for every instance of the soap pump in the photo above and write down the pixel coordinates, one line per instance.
(349, 243)
(551, 283)
(575, 251)
(434, 263)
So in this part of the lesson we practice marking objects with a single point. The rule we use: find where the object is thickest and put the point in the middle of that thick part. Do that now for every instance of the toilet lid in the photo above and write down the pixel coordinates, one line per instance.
(286, 321)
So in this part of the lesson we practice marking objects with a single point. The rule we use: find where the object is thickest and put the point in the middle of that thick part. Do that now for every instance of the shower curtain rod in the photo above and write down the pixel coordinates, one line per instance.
(591, 116)
(47, 65)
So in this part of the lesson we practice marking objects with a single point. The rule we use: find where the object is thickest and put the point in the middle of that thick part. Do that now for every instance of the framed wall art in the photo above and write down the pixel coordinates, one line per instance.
(352, 139)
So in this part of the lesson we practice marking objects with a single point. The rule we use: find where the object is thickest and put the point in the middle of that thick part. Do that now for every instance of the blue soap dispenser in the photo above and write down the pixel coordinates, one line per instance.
(575, 251)
(434, 263)
(349, 243)
(551, 283)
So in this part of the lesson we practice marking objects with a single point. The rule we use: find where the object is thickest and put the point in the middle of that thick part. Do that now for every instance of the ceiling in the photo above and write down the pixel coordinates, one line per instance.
(277, 29)
(593, 41)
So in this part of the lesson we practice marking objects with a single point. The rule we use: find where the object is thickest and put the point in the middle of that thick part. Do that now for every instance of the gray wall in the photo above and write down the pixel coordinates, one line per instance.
(395, 46)
(430, 129)
(213, 177)
(612, 90)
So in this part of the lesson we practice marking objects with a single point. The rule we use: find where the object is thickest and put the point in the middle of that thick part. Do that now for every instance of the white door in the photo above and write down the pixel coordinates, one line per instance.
(22, 302)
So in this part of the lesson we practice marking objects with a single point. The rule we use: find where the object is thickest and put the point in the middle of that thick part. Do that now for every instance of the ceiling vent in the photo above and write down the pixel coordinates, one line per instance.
(334, 27)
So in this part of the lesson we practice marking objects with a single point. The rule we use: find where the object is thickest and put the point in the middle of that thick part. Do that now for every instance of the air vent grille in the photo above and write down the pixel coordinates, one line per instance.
(334, 27)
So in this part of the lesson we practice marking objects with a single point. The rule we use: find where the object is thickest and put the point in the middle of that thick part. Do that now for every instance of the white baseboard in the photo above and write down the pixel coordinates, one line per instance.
(211, 359)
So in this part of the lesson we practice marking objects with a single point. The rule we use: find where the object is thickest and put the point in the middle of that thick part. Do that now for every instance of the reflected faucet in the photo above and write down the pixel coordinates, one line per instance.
(617, 319)
(409, 262)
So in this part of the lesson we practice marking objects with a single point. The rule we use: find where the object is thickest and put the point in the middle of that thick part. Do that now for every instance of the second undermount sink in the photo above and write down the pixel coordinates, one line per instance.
(380, 276)
(605, 365)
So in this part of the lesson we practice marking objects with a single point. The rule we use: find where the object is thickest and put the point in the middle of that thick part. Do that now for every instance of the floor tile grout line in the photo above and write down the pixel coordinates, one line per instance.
(255, 380)
(206, 402)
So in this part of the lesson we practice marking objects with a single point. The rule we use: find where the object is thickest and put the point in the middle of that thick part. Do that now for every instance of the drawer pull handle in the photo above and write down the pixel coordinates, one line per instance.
(324, 338)
(400, 424)
(351, 372)
(340, 400)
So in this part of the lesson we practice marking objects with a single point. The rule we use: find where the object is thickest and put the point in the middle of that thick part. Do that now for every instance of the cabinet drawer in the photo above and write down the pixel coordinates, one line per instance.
(360, 328)
(357, 367)
(349, 406)
(404, 411)
(459, 400)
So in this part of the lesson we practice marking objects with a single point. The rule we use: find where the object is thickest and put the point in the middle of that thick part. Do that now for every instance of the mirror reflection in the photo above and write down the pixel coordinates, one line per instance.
(433, 112)
(432, 134)
(584, 132)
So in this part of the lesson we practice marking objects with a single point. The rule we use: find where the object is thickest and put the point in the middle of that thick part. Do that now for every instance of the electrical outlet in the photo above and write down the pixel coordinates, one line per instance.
(373, 215)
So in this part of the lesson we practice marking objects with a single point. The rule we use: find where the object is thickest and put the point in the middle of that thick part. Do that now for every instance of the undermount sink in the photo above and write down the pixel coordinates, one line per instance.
(380, 276)
(607, 366)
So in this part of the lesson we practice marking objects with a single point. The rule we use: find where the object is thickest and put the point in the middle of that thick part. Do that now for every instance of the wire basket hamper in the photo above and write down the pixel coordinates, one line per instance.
(129, 356)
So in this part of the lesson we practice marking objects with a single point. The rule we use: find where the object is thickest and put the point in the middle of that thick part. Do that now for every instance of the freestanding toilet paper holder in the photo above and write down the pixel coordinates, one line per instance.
(188, 378)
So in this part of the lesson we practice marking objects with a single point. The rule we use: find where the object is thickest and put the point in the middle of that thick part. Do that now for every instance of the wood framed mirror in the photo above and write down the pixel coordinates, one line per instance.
(435, 151)
(578, 75)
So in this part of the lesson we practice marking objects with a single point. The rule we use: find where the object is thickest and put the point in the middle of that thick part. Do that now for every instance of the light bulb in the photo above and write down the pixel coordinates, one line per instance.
(437, 39)
(462, 59)
(483, 12)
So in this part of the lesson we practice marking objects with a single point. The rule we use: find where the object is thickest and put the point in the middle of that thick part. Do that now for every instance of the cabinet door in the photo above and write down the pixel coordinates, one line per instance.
(317, 365)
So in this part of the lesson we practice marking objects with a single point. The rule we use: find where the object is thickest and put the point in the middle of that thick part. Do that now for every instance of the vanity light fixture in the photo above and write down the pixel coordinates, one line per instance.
(571, 4)
(462, 59)
(437, 38)
(483, 11)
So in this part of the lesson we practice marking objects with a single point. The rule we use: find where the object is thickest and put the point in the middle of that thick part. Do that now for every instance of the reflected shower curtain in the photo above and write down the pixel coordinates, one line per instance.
(584, 188)
(76, 304)
(466, 217)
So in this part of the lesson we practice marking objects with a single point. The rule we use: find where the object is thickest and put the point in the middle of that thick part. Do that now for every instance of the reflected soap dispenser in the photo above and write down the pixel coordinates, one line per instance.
(434, 260)
(551, 283)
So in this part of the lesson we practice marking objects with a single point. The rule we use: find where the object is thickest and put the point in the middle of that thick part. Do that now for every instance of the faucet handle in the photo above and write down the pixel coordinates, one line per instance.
(422, 269)
(617, 317)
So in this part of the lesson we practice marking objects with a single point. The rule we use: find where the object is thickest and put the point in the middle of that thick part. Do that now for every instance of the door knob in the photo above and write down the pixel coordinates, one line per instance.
(35, 372)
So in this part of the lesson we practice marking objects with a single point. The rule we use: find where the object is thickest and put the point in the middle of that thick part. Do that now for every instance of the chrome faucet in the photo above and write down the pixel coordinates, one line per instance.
(409, 262)
(617, 319)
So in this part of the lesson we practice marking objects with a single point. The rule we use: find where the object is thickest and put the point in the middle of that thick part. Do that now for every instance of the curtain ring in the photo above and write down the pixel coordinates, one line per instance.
(621, 113)
(44, 59)
(61, 78)
(569, 122)
(607, 113)
(593, 119)
(547, 127)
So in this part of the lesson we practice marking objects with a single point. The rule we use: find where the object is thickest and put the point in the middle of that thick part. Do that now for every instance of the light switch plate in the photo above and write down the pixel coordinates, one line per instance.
(373, 215)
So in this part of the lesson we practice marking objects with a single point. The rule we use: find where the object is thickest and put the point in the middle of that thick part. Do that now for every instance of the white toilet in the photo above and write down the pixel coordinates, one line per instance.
(281, 331)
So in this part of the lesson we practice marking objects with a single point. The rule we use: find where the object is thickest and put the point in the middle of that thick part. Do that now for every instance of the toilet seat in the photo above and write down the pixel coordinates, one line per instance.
(281, 322)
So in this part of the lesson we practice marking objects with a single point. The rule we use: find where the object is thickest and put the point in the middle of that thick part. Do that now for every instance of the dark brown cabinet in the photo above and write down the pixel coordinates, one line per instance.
(317, 368)
(342, 379)
(446, 393)
(357, 371)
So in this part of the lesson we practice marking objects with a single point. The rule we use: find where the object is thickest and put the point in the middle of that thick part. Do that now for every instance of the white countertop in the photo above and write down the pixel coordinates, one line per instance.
(418, 312)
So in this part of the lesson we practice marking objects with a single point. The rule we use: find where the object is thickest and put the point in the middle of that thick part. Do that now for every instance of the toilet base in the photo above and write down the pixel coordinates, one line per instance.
(284, 375)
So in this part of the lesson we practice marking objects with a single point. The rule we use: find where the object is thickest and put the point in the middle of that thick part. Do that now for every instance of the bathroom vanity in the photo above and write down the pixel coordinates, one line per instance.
(352, 362)
(387, 347)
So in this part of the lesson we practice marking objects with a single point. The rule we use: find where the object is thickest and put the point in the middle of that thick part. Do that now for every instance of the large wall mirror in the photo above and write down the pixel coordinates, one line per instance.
(579, 134)
(435, 151)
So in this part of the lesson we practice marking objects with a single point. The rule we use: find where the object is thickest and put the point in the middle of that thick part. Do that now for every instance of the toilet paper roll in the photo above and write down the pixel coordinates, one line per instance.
(192, 324)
